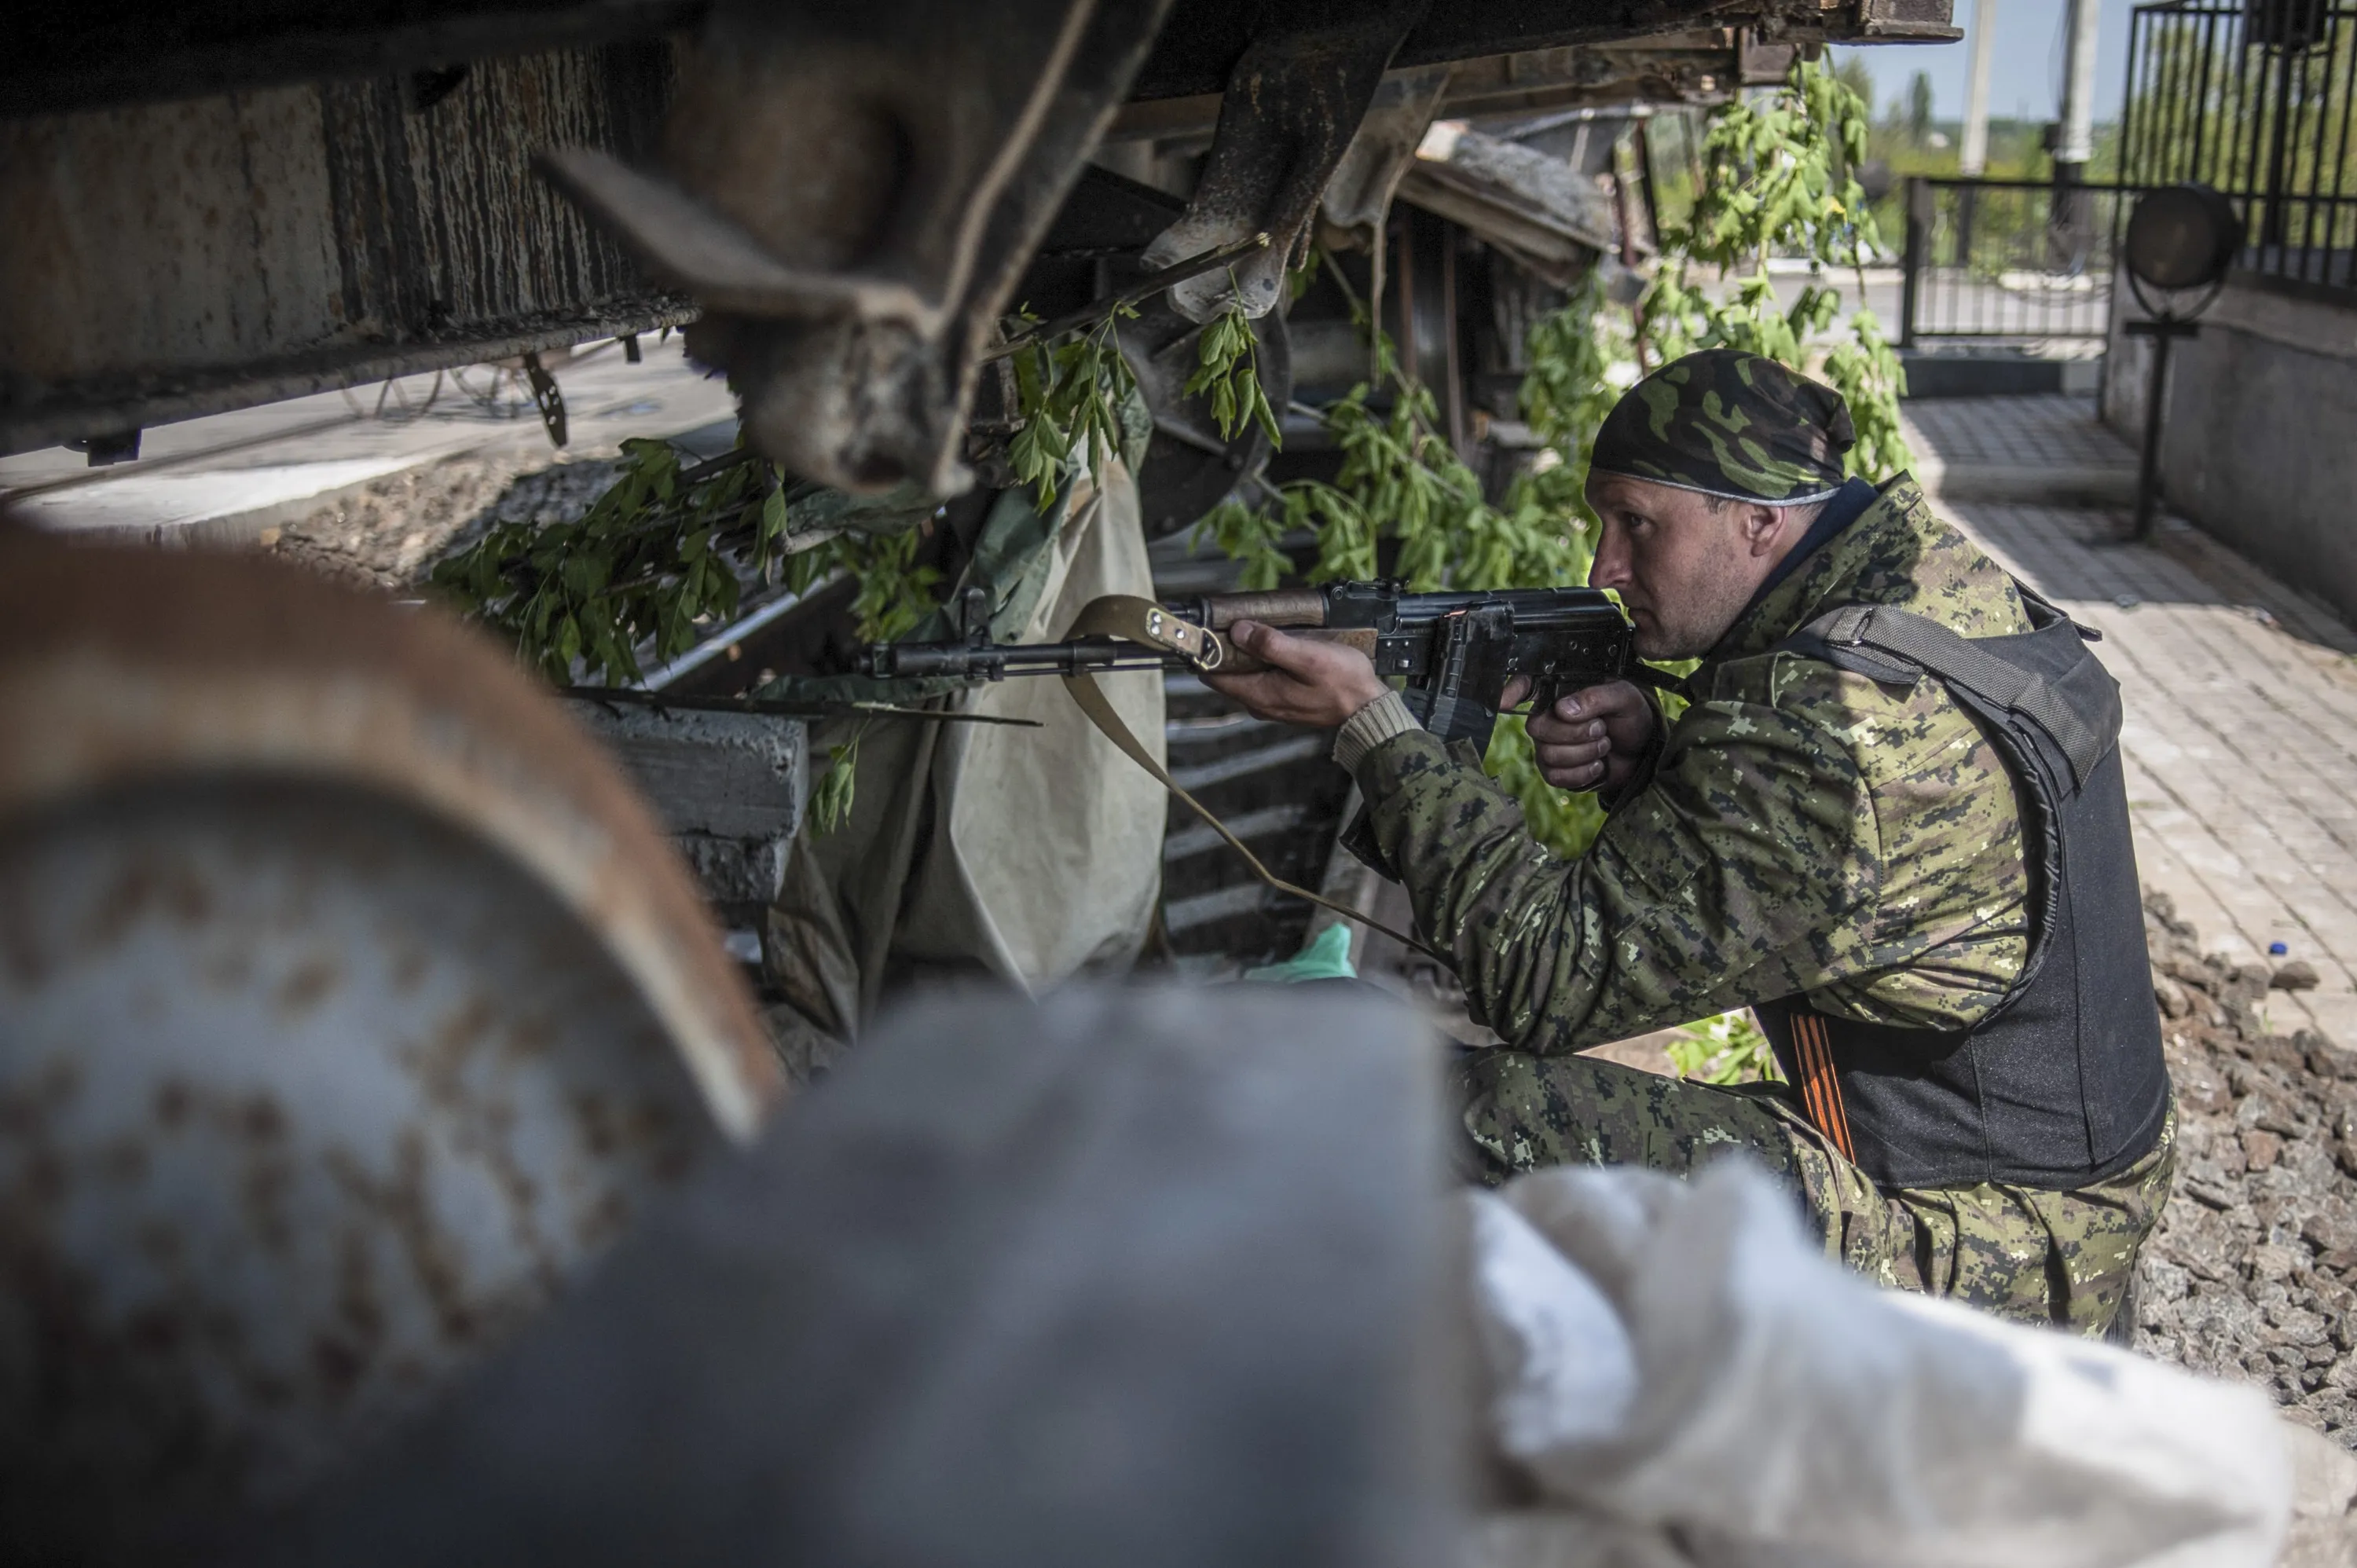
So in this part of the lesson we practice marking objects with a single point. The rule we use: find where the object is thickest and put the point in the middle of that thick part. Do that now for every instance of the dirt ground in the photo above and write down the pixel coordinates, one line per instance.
(388, 534)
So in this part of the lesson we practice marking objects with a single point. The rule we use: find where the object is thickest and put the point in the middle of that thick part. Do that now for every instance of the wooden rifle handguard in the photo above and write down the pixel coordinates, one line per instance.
(1238, 663)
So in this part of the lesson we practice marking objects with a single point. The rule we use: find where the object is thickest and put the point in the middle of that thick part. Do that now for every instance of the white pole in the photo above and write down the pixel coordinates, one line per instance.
(1975, 157)
(2078, 144)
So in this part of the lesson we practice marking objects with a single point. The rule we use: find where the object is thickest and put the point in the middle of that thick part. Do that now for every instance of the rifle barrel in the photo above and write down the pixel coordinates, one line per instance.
(996, 661)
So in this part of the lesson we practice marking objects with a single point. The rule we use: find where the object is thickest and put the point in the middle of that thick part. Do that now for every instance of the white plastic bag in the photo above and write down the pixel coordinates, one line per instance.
(1688, 1371)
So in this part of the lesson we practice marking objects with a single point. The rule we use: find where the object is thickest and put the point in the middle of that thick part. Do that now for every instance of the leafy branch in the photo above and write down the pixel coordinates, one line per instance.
(1227, 366)
(1729, 1048)
(1779, 179)
(666, 555)
(654, 559)
(831, 797)
(667, 552)
(1402, 480)
(1070, 394)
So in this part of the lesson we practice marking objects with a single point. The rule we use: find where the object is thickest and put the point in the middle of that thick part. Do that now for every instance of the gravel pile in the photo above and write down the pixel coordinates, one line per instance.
(388, 534)
(2250, 1275)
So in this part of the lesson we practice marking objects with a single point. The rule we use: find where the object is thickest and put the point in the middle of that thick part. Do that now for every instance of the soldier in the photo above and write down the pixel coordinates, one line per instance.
(1892, 821)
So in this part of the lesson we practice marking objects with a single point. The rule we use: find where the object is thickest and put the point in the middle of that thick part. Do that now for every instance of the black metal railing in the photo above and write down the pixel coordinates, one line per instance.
(2008, 258)
(2257, 98)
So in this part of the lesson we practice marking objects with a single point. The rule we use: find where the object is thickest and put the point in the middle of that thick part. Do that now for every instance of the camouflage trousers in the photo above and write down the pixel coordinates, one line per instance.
(2034, 1256)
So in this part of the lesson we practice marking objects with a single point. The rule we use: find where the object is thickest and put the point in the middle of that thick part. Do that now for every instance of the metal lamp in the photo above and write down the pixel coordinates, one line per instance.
(2180, 241)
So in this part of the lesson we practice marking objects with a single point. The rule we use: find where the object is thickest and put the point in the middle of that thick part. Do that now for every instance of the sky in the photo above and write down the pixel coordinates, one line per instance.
(2025, 70)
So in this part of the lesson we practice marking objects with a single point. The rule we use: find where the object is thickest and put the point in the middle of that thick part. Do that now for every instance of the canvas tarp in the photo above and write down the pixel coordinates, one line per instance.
(1028, 854)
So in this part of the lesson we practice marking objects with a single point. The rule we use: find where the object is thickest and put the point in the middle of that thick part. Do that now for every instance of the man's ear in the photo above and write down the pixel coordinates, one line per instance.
(1761, 528)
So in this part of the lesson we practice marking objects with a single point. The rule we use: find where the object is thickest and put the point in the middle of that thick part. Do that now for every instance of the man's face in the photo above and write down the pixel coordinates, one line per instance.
(1683, 570)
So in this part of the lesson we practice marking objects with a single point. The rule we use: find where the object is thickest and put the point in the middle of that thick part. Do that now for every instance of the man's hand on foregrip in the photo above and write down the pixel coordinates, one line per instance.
(1307, 681)
(1593, 739)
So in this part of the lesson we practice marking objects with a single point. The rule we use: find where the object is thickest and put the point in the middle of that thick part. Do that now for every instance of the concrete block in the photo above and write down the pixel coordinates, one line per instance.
(729, 787)
(1933, 374)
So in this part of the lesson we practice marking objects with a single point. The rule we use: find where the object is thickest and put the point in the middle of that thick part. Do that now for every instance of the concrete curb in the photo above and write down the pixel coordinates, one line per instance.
(2096, 485)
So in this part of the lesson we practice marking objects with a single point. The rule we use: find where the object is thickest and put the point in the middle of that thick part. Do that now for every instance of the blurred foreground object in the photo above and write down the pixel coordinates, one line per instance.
(1680, 1377)
(350, 1005)
(1133, 1277)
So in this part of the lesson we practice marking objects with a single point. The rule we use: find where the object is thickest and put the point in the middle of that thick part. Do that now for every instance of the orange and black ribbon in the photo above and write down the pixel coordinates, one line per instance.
(1821, 1093)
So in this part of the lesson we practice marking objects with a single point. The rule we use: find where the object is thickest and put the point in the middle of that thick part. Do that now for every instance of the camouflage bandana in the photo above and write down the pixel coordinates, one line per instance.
(1729, 423)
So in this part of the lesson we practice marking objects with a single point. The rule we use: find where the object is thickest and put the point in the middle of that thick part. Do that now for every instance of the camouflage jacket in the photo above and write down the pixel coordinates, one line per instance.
(1802, 830)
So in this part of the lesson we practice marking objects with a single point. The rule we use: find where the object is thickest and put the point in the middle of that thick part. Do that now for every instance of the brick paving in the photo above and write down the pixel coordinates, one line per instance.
(2052, 430)
(2241, 737)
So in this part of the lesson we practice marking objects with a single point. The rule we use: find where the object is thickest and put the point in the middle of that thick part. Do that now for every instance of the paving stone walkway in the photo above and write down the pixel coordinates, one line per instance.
(2049, 431)
(2241, 738)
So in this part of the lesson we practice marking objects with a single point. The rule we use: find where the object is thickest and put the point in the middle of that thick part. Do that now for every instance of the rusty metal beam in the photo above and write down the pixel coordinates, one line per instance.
(379, 216)
(144, 51)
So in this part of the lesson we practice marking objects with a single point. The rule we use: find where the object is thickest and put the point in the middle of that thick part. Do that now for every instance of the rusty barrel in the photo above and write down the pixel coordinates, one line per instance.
(350, 1005)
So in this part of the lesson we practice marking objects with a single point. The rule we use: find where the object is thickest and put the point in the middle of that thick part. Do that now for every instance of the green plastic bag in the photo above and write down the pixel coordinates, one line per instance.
(1326, 957)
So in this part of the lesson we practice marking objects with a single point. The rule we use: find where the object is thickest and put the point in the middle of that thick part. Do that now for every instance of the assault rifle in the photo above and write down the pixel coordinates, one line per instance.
(1456, 651)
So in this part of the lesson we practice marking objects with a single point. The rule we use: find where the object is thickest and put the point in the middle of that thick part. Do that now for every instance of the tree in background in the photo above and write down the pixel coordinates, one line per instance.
(1919, 108)
(1851, 73)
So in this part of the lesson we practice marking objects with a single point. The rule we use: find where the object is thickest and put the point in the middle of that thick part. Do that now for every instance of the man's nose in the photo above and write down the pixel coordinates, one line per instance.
(1610, 568)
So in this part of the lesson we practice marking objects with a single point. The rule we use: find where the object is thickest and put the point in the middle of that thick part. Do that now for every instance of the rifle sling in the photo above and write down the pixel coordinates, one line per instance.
(1128, 617)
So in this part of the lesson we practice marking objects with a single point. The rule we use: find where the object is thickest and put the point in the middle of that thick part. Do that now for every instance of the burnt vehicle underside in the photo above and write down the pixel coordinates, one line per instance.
(225, 204)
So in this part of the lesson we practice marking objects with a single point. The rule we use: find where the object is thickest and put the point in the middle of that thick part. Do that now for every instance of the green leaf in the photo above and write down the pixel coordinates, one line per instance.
(1227, 368)
(831, 800)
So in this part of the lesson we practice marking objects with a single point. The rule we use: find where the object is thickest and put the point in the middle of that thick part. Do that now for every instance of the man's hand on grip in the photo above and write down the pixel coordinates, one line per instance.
(1591, 739)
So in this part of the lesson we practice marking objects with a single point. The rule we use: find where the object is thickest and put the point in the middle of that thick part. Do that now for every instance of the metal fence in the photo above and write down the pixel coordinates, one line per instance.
(2008, 258)
(2256, 98)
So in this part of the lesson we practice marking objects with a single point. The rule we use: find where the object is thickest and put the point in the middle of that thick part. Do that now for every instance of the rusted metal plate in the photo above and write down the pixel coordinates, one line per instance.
(169, 259)
(305, 1101)
(353, 1005)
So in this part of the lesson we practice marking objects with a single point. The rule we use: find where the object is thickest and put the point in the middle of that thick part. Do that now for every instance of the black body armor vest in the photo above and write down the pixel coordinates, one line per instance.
(2062, 1084)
